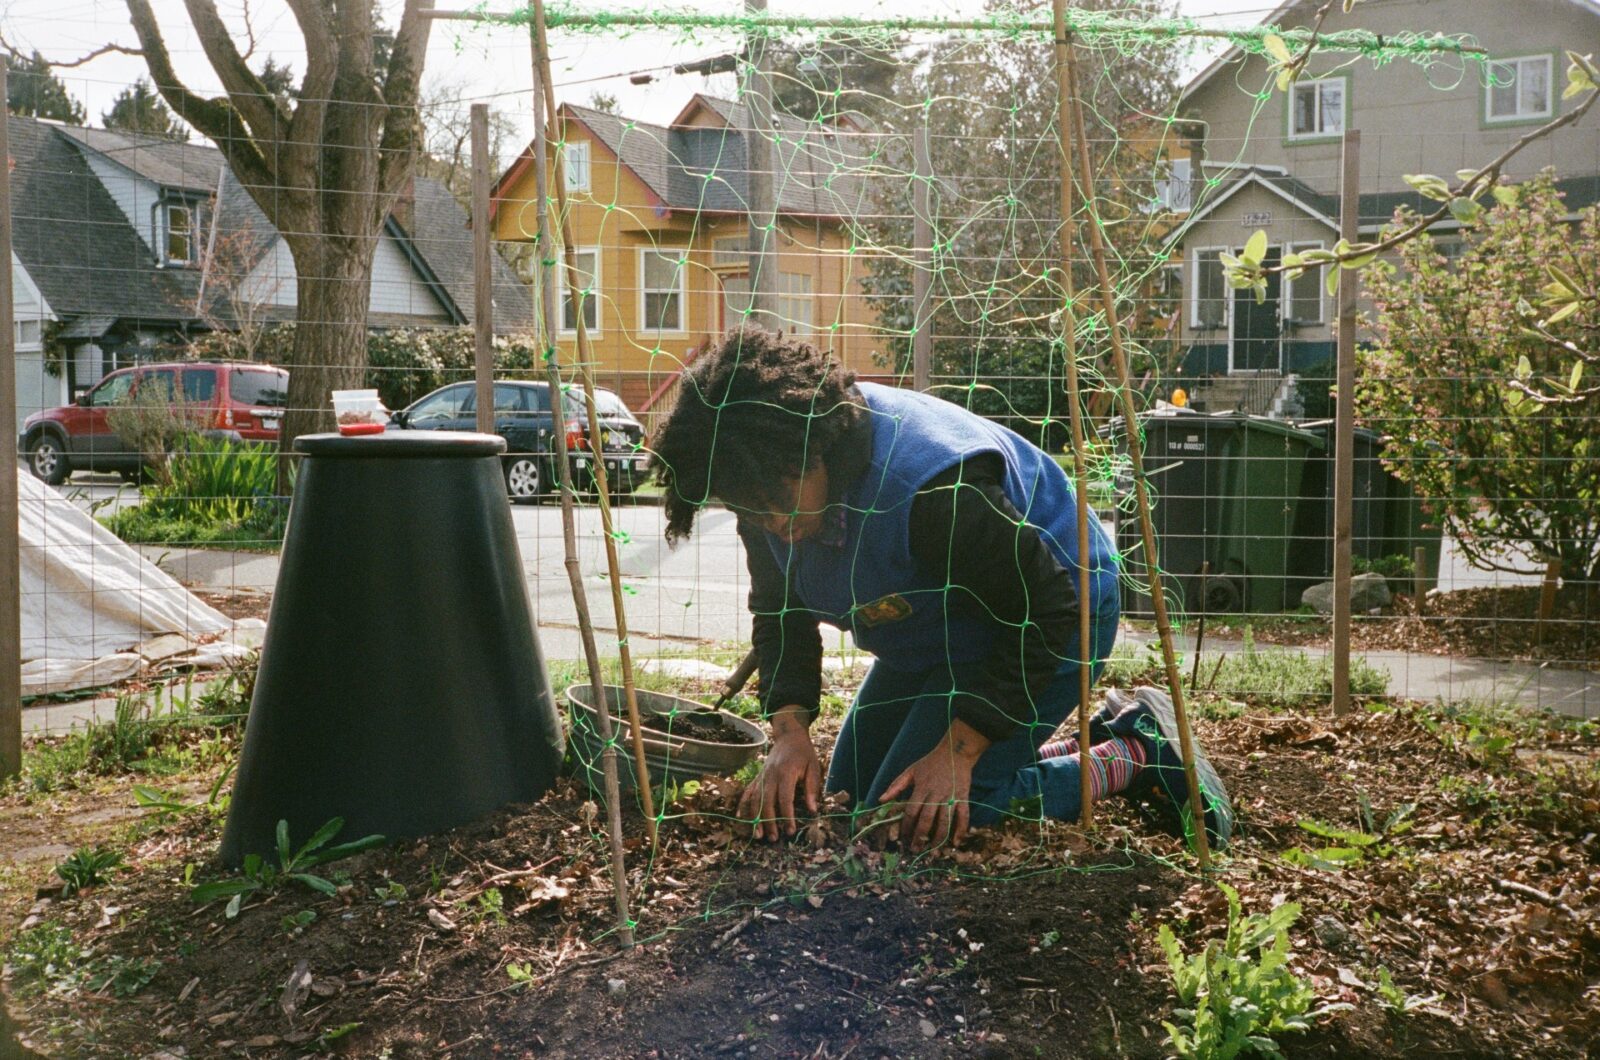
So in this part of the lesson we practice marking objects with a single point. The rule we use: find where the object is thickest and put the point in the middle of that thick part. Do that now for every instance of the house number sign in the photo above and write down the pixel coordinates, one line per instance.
(1256, 220)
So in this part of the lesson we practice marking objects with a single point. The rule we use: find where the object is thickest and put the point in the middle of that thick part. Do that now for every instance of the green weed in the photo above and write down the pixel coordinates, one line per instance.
(123, 976)
(1235, 995)
(87, 867)
(45, 957)
(259, 876)
(296, 923)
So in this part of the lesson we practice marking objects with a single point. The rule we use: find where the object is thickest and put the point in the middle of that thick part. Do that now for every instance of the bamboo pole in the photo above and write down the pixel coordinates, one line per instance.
(585, 366)
(1130, 421)
(10, 554)
(482, 273)
(1069, 343)
(551, 334)
(922, 263)
(1344, 425)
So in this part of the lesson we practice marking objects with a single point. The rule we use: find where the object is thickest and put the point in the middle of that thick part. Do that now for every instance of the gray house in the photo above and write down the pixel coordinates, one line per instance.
(125, 244)
(1273, 163)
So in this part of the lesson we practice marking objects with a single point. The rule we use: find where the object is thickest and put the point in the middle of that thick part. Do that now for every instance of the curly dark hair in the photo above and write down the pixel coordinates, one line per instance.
(754, 409)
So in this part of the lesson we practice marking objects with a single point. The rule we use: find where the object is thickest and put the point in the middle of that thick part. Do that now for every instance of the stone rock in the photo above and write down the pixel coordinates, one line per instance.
(1367, 591)
(1330, 932)
(614, 987)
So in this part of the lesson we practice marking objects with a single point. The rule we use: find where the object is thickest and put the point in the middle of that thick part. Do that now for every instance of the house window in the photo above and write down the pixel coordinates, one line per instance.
(1303, 297)
(1210, 291)
(1173, 191)
(28, 334)
(588, 269)
(732, 251)
(577, 165)
(177, 235)
(794, 303)
(1519, 89)
(1316, 108)
(661, 293)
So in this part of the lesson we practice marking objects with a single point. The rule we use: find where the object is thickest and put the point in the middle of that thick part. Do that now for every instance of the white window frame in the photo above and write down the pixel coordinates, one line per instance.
(1515, 62)
(792, 323)
(1315, 277)
(676, 253)
(562, 303)
(581, 153)
(1316, 85)
(20, 328)
(163, 231)
(1194, 291)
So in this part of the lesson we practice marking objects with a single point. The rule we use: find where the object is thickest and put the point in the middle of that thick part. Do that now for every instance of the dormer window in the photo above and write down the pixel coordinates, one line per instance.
(177, 232)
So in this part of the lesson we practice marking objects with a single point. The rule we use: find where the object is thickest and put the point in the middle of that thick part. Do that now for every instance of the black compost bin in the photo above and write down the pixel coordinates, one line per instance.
(1386, 515)
(1225, 489)
(401, 684)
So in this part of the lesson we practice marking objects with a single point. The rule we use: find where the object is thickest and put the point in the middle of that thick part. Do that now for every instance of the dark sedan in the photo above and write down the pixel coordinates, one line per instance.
(522, 416)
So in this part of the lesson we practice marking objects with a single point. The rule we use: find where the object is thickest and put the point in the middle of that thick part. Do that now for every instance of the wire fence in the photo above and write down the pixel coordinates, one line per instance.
(156, 309)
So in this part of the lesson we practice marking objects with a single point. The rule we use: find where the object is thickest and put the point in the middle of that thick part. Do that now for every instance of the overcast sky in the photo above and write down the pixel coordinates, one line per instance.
(483, 63)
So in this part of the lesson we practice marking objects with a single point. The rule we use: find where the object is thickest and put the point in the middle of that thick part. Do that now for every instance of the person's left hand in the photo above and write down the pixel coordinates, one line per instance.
(935, 789)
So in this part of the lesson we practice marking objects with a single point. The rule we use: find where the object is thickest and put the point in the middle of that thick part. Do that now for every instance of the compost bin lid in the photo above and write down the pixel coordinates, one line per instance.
(401, 445)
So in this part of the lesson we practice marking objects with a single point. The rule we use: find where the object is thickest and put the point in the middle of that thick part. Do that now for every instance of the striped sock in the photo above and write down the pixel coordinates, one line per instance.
(1057, 748)
(1114, 764)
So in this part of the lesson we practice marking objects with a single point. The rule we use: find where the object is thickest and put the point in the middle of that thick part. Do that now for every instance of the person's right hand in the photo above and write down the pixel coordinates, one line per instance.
(791, 764)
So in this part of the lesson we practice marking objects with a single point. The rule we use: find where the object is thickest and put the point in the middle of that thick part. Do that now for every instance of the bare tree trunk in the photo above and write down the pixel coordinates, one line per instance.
(330, 339)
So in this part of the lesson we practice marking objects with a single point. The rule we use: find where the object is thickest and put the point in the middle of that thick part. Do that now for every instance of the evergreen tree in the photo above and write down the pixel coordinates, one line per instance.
(279, 80)
(139, 109)
(34, 91)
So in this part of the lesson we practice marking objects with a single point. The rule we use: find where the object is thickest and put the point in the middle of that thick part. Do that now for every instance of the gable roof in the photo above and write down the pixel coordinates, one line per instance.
(1374, 209)
(1282, 11)
(87, 259)
(817, 170)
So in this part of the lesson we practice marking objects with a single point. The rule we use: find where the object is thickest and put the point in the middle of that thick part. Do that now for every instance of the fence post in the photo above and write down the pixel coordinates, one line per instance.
(761, 202)
(482, 273)
(1344, 429)
(922, 261)
(10, 554)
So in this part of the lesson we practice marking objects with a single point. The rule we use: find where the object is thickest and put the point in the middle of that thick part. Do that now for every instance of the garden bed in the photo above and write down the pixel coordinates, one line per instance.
(1473, 892)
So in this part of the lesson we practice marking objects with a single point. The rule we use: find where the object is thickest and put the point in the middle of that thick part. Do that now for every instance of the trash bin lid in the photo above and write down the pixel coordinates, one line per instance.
(392, 445)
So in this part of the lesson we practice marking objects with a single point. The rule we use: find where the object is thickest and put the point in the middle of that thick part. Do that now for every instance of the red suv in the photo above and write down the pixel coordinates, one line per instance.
(244, 402)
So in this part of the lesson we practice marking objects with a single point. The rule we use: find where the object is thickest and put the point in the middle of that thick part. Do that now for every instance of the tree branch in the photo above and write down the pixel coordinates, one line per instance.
(213, 118)
(402, 127)
(299, 168)
(260, 108)
(104, 49)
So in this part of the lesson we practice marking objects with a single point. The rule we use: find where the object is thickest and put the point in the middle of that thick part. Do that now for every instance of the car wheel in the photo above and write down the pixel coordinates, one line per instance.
(524, 479)
(48, 460)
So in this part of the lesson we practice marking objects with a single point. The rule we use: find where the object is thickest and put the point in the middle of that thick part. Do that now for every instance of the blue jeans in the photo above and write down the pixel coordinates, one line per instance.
(899, 716)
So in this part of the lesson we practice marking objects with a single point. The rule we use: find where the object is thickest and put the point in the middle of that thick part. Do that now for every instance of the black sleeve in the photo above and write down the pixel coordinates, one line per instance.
(787, 641)
(964, 530)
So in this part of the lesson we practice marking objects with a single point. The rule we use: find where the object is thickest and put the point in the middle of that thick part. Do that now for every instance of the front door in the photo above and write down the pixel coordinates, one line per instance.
(1257, 326)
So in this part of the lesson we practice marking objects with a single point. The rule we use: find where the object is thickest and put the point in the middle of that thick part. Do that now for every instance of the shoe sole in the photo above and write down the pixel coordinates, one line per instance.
(1220, 808)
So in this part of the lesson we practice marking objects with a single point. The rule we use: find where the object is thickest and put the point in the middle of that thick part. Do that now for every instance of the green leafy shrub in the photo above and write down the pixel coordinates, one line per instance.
(213, 491)
(1235, 995)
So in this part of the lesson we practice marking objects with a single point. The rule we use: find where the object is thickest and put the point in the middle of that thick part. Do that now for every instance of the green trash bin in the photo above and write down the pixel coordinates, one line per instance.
(1226, 491)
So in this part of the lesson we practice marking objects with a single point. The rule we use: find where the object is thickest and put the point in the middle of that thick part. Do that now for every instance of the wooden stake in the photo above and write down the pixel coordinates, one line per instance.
(1200, 628)
(569, 535)
(1419, 578)
(1344, 426)
(10, 554)
(482, 273)
(1119, 355)
(1069, 344)
(596, 445)
(922, 261)
(1547, 596)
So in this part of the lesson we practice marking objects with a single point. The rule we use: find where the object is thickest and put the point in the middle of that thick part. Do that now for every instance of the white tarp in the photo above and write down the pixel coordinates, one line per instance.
(89, 601)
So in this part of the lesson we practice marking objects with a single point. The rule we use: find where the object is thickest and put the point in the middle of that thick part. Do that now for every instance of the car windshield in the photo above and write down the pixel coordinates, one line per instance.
(607, 403)
(260, 387)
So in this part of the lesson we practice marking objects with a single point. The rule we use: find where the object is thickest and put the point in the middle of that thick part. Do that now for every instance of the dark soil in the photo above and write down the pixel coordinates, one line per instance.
(1029, 941)
(238, 603)
(706, 726)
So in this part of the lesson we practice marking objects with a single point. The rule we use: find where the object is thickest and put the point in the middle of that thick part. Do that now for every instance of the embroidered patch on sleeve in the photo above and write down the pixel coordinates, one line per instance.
(882, 611)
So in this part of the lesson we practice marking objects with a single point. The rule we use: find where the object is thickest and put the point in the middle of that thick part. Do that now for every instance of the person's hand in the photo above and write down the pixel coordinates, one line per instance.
(935, 789)
(791, 764)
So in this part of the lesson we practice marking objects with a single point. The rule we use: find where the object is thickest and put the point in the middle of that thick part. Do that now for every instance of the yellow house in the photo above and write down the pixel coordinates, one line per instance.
(659, 220)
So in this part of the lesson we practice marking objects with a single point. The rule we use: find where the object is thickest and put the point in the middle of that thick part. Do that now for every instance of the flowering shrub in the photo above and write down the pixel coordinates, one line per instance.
(1454, 362)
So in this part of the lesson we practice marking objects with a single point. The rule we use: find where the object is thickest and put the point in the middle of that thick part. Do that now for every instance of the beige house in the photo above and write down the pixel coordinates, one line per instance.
(1272, 162)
